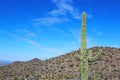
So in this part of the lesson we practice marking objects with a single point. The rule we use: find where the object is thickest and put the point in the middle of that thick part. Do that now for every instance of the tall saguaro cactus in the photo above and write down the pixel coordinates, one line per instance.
(85, 55)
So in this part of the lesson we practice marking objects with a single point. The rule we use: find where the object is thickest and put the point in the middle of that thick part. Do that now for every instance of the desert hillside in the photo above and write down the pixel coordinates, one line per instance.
(65, 67)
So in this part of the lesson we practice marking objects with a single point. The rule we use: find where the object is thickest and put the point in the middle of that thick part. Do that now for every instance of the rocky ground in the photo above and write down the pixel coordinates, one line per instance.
(65, 67)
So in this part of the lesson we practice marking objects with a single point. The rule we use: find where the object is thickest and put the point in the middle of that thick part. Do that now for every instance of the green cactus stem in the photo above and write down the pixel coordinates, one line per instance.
(85, 55)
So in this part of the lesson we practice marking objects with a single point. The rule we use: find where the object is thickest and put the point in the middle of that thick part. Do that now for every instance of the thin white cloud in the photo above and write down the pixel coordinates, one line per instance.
(20, 38)
(49, 20)
(59, 14)
(90, 42)
(39, 45)
(75, 33)
(28, 41)
(63, 32)
(34, 43)
(89, 16)
(26, 32)
(98, 32)
(64, 7)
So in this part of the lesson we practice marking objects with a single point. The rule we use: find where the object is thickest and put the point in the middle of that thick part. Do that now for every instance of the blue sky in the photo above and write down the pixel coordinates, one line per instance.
(48, 28)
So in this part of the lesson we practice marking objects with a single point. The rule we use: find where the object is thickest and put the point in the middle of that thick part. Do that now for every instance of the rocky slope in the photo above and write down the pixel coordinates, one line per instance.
(65, 67)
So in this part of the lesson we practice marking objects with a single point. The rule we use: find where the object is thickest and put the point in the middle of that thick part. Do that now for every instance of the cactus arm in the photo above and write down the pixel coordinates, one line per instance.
(93, 58)
(89, 56)
(80, 56)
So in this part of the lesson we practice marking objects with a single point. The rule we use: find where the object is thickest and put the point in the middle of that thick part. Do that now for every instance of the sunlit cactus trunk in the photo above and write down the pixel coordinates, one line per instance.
(85, 55)
(84, 61)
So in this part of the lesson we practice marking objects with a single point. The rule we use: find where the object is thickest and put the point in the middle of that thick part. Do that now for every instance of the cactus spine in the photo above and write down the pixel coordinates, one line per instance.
(85, 55)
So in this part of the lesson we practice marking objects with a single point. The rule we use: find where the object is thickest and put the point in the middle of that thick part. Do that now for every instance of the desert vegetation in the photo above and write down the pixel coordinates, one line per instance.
(65, 67)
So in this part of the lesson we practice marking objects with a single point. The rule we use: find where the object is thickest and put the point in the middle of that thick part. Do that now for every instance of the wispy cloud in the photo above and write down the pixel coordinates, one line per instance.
(59, 13)
(32, 42)
(90, 42)
(97, 32)
(14, 35)
(64, 7)
(89, 16)
(77, 36)
(75, 33)
(49, 20)
(28, 41)
(26, 32)
(63, 32)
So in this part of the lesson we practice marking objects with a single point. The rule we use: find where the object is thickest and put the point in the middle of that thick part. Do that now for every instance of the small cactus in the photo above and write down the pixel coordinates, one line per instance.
(85, 55)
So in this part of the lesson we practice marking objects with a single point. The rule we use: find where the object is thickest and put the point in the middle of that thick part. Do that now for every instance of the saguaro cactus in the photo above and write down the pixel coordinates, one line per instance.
(85, 55)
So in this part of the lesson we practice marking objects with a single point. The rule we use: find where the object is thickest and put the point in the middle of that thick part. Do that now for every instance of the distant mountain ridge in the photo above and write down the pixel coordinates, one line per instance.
(2, 62)
(65, 67)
